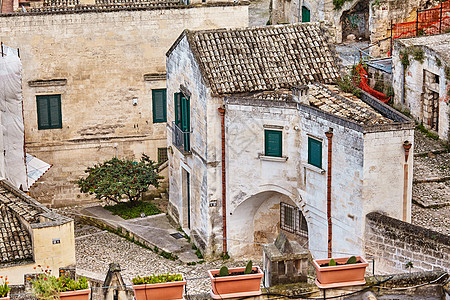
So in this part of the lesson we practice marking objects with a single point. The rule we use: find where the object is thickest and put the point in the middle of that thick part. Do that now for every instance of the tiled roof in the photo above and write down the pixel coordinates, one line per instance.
(15, 242)
(331, 100)
(15, 208)
(263, 58)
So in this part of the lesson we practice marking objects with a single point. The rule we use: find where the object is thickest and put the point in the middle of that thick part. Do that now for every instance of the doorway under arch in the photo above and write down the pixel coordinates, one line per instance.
(259, 219)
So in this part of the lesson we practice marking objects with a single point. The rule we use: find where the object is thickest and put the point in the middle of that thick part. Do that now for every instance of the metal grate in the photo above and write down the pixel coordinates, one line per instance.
(177, 235)
(162, 155)
(292, 220)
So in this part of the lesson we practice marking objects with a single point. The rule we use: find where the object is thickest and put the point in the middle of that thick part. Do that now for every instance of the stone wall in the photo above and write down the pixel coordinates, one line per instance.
(414, 84)
(99, 62)
(394, 243)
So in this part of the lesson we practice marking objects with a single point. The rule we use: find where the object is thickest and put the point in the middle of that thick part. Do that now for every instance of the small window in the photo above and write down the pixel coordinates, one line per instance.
(162, 155)
(272, 143)
(159, 106)
(49, 111)
(292, 220)
(314, 152)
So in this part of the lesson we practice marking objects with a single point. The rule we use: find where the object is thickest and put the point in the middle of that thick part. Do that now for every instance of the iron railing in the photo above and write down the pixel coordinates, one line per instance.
(181, 139)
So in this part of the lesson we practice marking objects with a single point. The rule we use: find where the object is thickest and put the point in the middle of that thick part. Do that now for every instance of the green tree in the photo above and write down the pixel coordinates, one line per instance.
(118, 179)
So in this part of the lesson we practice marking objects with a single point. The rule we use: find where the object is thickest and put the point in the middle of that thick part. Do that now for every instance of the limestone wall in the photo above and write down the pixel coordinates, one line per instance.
(394, 243)
(101, 58)
(191, 213)
(48, 235)
(410, 86)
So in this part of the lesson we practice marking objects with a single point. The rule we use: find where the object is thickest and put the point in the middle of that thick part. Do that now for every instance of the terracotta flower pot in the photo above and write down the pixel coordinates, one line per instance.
(340, 275)
(235, 286)
(75, 295)
(161, 291)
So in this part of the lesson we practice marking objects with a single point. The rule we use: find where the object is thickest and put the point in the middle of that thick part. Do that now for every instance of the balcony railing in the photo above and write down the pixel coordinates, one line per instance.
(181, 139)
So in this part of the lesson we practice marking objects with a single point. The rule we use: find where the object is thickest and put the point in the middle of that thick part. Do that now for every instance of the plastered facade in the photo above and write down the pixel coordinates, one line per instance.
(100, 59)
(415, 85)
(255, 184)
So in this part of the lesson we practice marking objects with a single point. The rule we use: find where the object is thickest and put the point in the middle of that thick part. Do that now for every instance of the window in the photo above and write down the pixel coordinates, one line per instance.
(306, 14)
(49, 111)
(314, 152)
(162, 155)
(159, 106)
(272, 143)
(182, 122)
(292, 220)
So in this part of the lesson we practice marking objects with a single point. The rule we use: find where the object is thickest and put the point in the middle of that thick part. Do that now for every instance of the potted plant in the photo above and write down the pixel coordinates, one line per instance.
(161, 287)
(50, 287)
(4, 288)
(235, 282)
(339, 272)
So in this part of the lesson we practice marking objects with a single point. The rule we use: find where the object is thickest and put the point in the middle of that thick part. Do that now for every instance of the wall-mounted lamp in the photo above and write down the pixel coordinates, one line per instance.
(134, 101)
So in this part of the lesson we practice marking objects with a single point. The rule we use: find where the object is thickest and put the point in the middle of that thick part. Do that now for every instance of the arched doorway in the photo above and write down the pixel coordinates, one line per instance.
(259, 219)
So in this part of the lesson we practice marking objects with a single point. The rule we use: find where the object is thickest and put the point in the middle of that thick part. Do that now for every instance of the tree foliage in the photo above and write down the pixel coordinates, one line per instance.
(118, 179)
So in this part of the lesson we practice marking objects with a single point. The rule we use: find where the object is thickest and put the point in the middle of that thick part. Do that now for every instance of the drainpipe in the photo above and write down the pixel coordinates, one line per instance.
(224, 202)
(329, 135)
(406, 145)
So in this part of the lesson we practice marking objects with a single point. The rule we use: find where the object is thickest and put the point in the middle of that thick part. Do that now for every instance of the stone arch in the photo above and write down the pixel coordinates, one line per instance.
(256, 221)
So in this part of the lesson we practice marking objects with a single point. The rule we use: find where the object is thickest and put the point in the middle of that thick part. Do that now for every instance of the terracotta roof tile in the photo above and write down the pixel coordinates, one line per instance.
(15, 242)
(263, 58)
(330, 99)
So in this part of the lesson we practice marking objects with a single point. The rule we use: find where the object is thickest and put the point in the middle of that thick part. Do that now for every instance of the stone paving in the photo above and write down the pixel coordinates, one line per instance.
(95, 249)
(431, 187)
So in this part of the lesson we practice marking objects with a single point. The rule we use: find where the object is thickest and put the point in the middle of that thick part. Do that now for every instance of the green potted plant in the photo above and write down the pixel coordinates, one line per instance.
(235, 282)
(339, 272)
(4, 288)
(49, 287)
(161, 287)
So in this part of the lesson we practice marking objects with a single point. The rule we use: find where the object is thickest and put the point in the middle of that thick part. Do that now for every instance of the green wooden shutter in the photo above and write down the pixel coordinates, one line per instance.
(186, 121)
(42, 112)
(272, 143)
(177, 107)
(54, 104)
(306, 14)
(315, 152)
(159, 106)
(49, 111)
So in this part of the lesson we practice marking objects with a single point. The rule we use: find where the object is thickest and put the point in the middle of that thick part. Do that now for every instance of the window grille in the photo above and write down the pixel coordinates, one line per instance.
(292, 220)
(162, 155)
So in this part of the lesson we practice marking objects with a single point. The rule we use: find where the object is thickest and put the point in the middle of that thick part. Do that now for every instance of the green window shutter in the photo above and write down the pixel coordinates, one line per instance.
(306, 14)
(54, 103)
(49, 111)
(42, 112)
(159, 106)
(177, 107)
(272, 143)
(314, 152)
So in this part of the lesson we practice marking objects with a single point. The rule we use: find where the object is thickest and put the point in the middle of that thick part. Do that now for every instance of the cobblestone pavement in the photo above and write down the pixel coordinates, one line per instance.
(424, 144)
(95, 249)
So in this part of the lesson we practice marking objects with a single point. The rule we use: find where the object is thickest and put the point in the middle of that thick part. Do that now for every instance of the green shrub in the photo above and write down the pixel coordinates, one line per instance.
(224, 271)
(159, 278)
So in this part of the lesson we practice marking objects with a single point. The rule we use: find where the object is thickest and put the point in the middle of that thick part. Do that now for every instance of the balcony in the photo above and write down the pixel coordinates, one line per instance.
(181, 139)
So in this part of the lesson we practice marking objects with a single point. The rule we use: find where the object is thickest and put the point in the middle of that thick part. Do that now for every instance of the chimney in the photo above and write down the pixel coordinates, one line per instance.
(301, 94)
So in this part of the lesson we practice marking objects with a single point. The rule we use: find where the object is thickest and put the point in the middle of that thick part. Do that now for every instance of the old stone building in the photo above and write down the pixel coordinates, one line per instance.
(30, 234)
(421, 80)
(361, 19)
(94, 82)
(248, 157)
